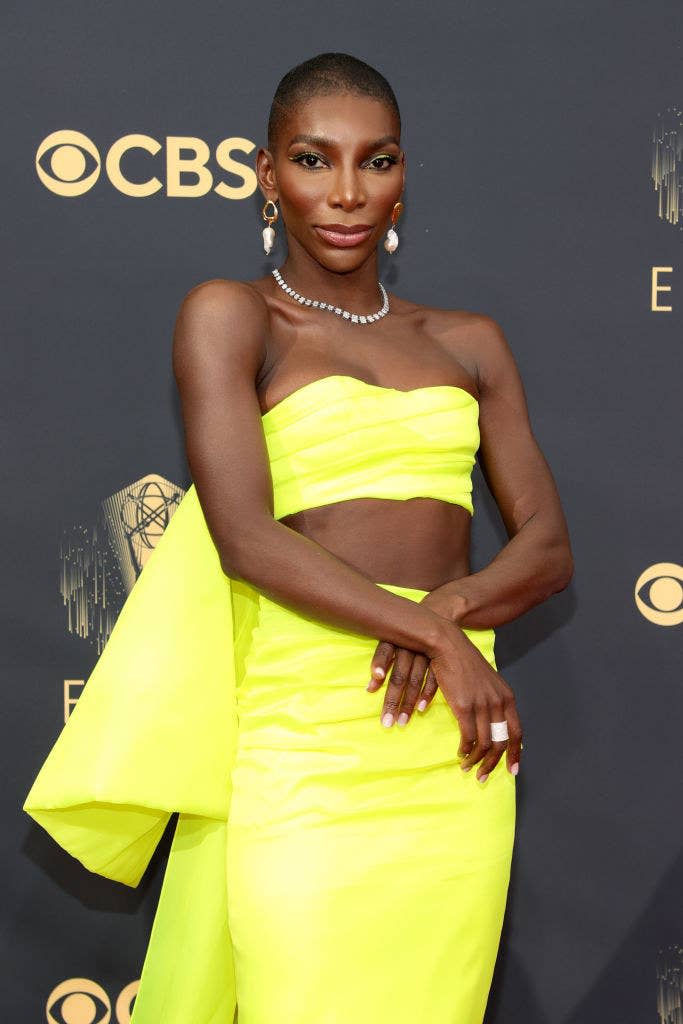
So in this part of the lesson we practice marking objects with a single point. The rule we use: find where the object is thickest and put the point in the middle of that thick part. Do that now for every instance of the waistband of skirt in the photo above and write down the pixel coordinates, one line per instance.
(415, 593)
(483, 639)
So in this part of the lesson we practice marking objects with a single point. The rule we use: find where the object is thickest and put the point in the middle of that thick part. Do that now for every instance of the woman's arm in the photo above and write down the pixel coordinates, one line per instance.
(537, 561)
(218, 350)
(534, 564)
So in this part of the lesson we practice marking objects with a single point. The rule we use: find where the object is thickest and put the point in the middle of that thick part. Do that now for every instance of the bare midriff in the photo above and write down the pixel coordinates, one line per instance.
(418, 542)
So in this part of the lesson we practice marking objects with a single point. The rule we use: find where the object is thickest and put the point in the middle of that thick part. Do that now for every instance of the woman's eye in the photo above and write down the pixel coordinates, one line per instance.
(386, 160)
(307, 160)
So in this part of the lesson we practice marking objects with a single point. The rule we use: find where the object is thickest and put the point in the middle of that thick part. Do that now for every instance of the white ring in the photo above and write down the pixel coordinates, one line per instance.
(499, 731)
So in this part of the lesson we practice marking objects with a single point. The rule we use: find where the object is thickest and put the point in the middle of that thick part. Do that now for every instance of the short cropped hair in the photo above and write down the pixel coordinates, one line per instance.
(325, 74)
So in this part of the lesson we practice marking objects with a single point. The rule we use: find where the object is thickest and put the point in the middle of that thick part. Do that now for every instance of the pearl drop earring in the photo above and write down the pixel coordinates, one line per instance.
(269, 232)
(391, 241)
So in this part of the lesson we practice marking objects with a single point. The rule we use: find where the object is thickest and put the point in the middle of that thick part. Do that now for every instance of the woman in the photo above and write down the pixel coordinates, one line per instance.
(331, 431)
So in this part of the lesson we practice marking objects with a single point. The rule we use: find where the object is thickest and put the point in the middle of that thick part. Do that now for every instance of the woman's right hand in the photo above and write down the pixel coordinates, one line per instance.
(478, 695)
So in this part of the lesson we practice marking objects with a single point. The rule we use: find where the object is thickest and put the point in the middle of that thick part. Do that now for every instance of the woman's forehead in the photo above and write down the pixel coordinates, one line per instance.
(341, 118)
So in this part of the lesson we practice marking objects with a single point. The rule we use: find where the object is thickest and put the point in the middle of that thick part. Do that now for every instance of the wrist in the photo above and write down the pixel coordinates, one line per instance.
(459, 606)
(442, 636)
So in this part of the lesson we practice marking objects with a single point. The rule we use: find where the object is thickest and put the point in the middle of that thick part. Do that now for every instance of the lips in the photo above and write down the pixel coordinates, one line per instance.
(344, 236)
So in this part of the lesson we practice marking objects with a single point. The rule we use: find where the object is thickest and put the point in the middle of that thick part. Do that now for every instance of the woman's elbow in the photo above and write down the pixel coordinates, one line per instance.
(241, 556)
(564, 568)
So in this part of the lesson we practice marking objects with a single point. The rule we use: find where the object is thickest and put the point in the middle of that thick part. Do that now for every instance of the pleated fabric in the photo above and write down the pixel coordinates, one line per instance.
(339, 437)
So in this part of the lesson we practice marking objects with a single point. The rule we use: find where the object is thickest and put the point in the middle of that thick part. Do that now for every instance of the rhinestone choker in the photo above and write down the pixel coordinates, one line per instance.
(355, 318)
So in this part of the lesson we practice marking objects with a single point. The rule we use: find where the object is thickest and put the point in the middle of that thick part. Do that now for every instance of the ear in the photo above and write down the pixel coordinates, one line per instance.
(265, 174)
(403, 170)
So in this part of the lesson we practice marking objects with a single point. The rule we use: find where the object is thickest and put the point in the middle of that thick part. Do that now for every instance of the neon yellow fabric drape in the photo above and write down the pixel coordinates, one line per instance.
(154, 732)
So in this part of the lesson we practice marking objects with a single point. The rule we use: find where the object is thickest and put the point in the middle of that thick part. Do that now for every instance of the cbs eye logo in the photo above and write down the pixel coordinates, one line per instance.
(68, 163)
(82, 1001)
(659, 594)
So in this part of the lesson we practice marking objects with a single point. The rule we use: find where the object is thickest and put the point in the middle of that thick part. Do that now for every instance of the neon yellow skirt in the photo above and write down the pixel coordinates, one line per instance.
(368, 872)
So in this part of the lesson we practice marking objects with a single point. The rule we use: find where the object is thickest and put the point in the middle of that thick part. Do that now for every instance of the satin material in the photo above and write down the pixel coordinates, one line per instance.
(368, 872)
(157, 728)
(339, 437)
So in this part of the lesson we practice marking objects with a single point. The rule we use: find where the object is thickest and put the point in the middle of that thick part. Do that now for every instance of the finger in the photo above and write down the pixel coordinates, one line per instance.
(483, 743)
(468, 728)
(493, 756)
(379, 666)
(514, 749)
(428, 690)
(413, 687)
(396, 682)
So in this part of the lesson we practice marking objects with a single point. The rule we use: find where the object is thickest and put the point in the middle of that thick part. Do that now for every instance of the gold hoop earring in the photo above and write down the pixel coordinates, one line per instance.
(391, 241)
(269, 232)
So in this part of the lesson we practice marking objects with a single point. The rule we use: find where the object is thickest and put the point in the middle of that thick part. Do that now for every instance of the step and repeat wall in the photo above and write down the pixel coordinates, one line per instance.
(544, 148)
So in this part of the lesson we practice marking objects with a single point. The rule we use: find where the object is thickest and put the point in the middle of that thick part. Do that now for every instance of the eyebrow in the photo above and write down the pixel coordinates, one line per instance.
(321, 140)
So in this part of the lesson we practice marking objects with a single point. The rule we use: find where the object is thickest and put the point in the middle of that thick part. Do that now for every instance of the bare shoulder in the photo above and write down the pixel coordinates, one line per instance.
(479, 340)
(220, 320)
(221, 299)
(472, 337)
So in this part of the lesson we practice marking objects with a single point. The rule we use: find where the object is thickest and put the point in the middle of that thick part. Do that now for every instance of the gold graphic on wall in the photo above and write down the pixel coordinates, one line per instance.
(657, 285)
(65, 170)
(83, 1001)
(666, 165)
(68, 163)
(73, 688)
(659, 594)
(100, 565)
(126, 1001)
(78, 1001)
(670, 985)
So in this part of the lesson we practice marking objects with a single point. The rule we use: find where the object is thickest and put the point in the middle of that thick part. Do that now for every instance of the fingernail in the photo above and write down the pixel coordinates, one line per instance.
(371, 685)
(514, 769)
(379, 672)
(466, 767)
(483, 778)
(402, 718)
(388, 719)
(422, 705)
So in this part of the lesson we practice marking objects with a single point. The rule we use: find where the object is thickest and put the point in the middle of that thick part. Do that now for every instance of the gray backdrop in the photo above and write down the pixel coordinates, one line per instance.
(544, 177)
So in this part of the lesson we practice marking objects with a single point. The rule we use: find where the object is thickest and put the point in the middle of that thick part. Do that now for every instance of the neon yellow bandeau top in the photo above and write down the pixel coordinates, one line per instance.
(340, 437)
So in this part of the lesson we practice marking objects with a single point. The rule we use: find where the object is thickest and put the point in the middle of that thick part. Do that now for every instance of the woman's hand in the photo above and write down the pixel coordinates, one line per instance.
(475, 691)
(478, 696)
(407, 682)
(407, 685)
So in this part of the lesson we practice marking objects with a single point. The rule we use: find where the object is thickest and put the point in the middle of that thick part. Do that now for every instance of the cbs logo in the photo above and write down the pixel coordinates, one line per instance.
(68, 163)
(659, 594)
(82, 1001)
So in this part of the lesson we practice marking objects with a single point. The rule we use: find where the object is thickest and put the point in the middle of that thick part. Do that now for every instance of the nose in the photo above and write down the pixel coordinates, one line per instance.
(347, 190)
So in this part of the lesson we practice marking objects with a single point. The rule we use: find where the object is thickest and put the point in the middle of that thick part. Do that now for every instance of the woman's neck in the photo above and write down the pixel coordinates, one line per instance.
(356, 290)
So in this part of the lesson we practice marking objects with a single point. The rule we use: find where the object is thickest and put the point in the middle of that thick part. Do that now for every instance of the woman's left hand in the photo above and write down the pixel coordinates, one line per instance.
(405, 669)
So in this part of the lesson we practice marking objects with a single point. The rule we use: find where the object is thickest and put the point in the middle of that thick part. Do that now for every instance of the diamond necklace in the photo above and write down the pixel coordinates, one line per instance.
(355, 318)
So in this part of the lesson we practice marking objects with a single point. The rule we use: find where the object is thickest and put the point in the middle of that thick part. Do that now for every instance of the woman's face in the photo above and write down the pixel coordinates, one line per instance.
(337, 165)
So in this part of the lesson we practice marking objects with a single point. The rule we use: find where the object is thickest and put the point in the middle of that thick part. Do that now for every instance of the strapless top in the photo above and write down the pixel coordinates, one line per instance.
(340, 437)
